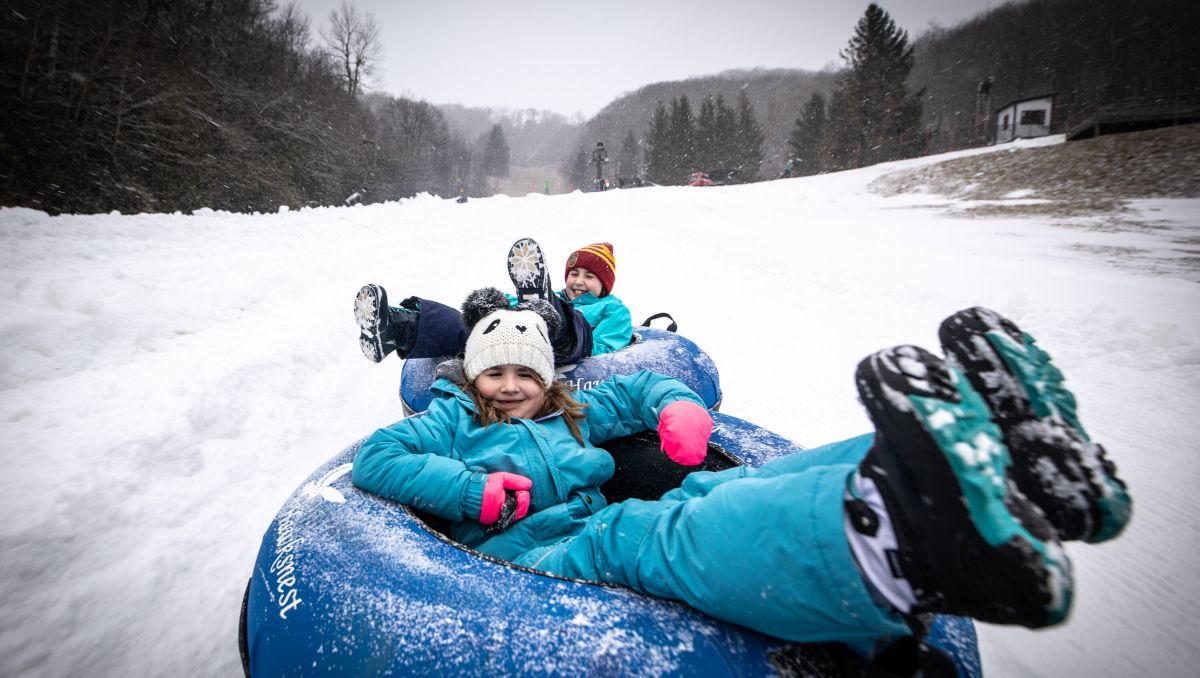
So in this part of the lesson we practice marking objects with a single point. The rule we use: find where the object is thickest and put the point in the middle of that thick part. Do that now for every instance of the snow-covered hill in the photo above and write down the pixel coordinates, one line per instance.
(167, 380)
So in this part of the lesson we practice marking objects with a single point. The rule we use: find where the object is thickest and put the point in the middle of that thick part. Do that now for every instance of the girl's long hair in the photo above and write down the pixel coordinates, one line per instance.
(558, 397)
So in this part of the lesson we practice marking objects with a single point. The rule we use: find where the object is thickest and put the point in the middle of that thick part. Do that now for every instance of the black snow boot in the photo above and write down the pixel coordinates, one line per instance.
(969, 543)
(572, 342)
(383, 329)
(1055, 463)
(527, 270)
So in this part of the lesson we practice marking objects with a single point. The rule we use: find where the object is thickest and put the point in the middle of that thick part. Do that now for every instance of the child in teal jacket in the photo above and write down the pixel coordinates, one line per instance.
(590, 274)
(955, 504)
(594, 321)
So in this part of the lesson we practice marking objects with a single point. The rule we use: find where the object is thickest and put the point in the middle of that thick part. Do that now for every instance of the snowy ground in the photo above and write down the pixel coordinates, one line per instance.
(167, 380)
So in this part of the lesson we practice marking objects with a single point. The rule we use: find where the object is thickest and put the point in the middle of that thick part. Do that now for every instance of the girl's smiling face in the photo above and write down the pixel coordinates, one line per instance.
(514, 390)
(580, 281)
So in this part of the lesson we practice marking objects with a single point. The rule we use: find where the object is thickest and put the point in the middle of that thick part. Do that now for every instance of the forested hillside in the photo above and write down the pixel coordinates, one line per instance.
(776, 96)
(140, 105)
(536, 137)
(1083, 51)
(143, 106)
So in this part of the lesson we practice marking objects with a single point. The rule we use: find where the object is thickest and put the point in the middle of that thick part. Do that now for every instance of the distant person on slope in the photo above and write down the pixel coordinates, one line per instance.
(790, 167)
(594, 322)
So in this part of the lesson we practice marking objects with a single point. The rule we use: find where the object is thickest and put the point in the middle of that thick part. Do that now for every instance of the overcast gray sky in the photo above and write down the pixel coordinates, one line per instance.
(570, 56)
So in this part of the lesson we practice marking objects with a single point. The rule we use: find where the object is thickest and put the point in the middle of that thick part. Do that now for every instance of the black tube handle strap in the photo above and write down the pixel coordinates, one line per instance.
(670, 328)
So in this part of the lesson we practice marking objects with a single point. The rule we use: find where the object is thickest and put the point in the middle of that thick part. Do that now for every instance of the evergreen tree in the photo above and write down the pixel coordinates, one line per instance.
(496, 155)
(460, 159)
(872, 116)
(725, 154)
(706, 135)
(627, 158)
(749, 141)
(681, 140)
(807, 136)
(658, 168)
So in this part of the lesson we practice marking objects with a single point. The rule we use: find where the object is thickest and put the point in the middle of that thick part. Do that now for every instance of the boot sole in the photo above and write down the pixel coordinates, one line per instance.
(990, 554)
(527, 269)
(1057, 466)
(367, 313)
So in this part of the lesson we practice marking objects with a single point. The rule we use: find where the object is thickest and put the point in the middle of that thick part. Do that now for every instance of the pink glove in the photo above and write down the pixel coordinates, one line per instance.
(684, 428)
(495, 492)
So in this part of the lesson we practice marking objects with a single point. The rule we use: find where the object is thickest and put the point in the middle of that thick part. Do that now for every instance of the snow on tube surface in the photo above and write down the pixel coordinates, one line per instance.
(657, 350)
(348, 583)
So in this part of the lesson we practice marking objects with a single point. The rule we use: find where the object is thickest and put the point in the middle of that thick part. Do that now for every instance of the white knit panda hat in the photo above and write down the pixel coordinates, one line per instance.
(506, 337)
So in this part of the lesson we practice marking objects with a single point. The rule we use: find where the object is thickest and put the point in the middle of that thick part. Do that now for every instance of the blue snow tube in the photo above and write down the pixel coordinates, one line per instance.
(652, 349)
(347, 583)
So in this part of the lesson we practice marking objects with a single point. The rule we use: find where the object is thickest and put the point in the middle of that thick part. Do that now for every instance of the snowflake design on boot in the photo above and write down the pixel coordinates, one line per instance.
(527, 270)
(365, 309)
(525, 261)
(370, 312)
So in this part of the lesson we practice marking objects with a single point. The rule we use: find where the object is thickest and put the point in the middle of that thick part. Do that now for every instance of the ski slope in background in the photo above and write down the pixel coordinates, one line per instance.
(166, 381)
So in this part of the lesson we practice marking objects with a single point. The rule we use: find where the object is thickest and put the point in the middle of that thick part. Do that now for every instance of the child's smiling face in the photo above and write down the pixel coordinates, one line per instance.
(580, 281)
(513, 389)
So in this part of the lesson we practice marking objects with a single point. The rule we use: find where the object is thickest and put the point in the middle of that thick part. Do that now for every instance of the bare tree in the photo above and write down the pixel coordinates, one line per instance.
(291, 25)
(353, 40)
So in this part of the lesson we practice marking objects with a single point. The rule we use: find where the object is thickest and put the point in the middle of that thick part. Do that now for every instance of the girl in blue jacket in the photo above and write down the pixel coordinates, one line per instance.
(593, 321)
(955, 504)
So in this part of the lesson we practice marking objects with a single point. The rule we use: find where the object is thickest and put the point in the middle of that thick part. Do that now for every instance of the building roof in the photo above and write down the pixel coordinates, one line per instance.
(1014, 102)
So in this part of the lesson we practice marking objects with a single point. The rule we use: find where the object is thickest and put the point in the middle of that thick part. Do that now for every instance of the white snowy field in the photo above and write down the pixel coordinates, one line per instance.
(166, 381)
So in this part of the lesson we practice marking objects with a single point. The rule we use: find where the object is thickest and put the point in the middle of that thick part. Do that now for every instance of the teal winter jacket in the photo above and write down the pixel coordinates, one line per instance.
(438, 461)
(612, 325)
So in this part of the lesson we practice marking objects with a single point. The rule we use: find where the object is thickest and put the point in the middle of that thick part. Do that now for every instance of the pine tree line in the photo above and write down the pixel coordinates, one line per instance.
(870, 117)
(720, 139)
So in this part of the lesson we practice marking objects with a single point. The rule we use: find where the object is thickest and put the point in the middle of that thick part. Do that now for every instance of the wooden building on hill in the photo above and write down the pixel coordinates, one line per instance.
(1023, 119)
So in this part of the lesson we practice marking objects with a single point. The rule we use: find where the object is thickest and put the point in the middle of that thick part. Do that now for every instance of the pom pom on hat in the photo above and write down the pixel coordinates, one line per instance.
(480, 303)
(504, 336)
(543, 308)
(600, 260)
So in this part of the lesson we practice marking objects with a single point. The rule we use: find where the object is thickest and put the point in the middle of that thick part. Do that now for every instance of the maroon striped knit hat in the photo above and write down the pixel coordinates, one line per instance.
(597, 258)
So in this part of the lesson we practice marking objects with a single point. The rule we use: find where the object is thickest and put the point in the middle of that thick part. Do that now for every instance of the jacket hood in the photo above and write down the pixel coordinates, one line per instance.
(449, 381)
(452, 371)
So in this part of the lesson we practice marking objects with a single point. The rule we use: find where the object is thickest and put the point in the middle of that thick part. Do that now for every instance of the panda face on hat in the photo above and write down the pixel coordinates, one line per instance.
(505, 336)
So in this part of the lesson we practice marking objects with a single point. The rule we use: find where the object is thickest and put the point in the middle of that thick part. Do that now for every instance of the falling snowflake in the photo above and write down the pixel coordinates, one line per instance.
(524, 262)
